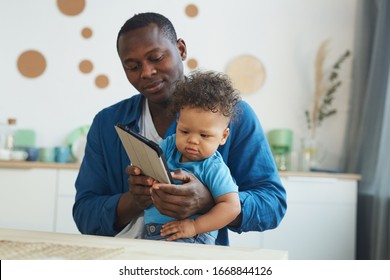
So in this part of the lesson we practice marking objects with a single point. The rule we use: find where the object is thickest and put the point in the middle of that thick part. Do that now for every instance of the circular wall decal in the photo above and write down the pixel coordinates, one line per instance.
(86, 32)
(101, 81)
(191, 10)
(247, 73)
(192, 63)
(31, 64)
(71, 7)
(86, 66)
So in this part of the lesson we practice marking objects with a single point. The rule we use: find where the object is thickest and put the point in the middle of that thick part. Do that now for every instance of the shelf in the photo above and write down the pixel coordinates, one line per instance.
(342, 176)
(37, 164)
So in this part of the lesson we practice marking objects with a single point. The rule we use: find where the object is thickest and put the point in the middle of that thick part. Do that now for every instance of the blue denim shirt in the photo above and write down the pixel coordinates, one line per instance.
(102, 178)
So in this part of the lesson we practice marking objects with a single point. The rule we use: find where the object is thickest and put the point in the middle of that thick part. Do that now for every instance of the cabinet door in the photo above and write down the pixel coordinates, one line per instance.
(320, 220)
(65, 201)
(251, 239)
(27, 198)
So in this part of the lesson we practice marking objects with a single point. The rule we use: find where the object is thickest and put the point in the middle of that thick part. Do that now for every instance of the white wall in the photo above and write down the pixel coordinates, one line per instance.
(283, 34)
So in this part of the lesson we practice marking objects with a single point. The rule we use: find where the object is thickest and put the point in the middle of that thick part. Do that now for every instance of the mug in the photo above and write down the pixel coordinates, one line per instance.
(62, 154)
(47, 154)
(32, 153)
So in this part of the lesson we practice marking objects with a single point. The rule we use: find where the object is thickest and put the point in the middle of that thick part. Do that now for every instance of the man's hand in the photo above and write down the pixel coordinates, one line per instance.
(132, 203)
(182, 201)
(140, 187)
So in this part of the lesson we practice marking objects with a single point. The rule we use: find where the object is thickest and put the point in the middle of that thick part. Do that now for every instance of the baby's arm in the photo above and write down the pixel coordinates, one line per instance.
(226, 209)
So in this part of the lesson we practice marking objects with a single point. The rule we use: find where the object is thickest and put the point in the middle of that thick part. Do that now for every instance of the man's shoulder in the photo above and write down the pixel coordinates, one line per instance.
(245, 118)
(126, 112)
(124, 104)
(123, 111)
(244, 109)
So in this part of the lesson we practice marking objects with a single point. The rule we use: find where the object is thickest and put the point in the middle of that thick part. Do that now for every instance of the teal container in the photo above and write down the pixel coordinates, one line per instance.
(62, 154)
(281, 143)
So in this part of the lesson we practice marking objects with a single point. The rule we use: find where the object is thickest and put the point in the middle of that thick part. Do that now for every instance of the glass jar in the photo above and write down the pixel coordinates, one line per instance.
(10, 134)
(311, 155)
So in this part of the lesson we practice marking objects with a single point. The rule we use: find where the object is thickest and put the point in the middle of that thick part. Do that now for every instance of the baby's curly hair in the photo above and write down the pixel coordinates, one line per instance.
(208, 90)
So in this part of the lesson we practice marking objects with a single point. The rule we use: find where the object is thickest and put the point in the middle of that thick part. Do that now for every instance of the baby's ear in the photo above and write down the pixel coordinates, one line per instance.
(225, 136)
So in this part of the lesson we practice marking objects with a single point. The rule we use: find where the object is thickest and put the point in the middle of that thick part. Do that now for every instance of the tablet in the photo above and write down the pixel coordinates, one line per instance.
(145, 154)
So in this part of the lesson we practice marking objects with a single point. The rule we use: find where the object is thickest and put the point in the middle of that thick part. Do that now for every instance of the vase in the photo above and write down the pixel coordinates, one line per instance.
(311, 155)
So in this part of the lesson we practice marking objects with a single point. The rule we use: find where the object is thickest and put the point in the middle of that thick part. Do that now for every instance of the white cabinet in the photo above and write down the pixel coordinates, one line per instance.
(320, 222)
(37, 196)
(65, 201)
(27, 198)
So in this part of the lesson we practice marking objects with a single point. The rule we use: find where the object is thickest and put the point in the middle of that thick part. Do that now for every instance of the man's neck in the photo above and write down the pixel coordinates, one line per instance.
(162, 117)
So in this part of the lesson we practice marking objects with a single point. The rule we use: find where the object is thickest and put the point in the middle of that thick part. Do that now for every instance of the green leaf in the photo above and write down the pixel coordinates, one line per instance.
(307, 114)
(333, 76)
(331, 112)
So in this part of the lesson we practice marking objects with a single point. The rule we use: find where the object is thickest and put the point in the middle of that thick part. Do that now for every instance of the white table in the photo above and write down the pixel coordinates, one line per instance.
(21, 244)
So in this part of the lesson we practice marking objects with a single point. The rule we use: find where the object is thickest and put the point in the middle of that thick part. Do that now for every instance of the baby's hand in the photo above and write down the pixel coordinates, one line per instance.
(155, 186)
(179, 229)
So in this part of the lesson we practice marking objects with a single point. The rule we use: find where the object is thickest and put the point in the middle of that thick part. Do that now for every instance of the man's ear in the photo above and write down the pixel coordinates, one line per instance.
(225, 136)
(181, 46)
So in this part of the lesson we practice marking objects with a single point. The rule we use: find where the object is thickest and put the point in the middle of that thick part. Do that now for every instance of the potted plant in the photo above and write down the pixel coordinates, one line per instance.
(326, 85)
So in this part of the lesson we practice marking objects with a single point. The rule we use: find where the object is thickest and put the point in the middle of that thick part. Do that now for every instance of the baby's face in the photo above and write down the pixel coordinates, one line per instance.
(200, 132)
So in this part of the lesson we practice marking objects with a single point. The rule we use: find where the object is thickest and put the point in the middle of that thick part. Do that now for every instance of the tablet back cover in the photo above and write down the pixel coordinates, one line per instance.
(144, 154)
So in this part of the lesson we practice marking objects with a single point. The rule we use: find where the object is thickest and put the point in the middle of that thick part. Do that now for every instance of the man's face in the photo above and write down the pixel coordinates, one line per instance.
(151, 62)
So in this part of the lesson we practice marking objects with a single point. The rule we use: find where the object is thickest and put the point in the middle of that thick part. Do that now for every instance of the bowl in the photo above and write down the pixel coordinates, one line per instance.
(5, 154)
(19, 155)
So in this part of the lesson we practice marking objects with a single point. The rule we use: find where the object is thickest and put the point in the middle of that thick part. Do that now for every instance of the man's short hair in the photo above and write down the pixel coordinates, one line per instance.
(144, 19)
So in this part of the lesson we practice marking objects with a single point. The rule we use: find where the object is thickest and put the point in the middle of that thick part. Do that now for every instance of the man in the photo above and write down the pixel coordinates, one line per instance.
(108, 199)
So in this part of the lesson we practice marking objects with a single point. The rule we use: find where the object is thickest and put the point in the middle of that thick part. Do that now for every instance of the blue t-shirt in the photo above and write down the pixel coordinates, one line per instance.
(212, 172)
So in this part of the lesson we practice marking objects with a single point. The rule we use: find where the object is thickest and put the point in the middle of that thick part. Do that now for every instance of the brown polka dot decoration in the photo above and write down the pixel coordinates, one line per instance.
(71, 7)
(31, 64)
(191, 10)
(247, 73)
(86, 32)
(86, 66)
(101, 81)
(192, 63)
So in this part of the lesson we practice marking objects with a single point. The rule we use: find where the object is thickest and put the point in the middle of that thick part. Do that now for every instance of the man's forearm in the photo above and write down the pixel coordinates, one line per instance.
(126, 210)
